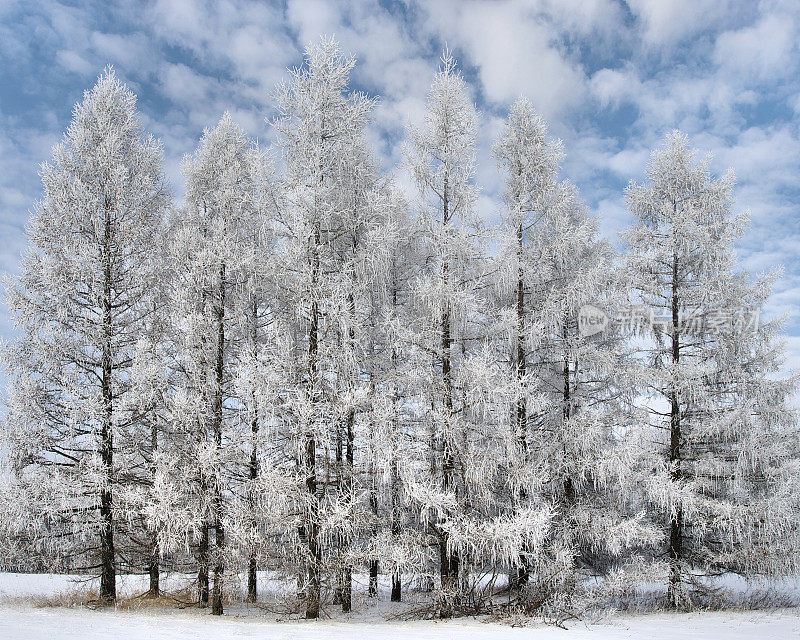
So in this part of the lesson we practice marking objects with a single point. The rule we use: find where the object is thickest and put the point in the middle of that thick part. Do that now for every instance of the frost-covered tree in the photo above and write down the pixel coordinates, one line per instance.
(254, 326)
(726, 485)
(532, 191)
(81, 302)
(390, 446)
(320, 130)
(152, 381)
(217, 246)
(446, 305)
(569, 392)
(360, 270)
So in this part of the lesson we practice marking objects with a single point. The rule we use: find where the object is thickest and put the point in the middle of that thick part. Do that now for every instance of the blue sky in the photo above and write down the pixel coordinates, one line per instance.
(611, 78)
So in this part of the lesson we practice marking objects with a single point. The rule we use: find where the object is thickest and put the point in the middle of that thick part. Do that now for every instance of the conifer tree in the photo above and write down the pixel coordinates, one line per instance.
(216, 249)
(320, 130)
(725, 482)
(81, 301)
(395, 545)
(445, 299)
(569, 391)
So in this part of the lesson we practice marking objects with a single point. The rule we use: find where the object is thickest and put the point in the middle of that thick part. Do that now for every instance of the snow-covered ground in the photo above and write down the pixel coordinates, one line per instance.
(21, 619)
(21, 585)
(26, 623)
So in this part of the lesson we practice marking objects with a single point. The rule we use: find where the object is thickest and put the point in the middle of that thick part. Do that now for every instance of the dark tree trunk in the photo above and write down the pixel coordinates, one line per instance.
(397, 589)
(108, 575)
(521, 575)
(313, 589)
(449, 561)
(372, 589)
(397, 592)
(347, 590)
(153, 567)
(219, 568)
(675, 590)
(347, 574)
(338, 587)
(219, 371)
(202, 475)
(252, 565)
(202, 572)
(313, 566)
(155, 575)
(252, 580)
(569, 485)
(349, 455)
(108, 587)
(302, 568)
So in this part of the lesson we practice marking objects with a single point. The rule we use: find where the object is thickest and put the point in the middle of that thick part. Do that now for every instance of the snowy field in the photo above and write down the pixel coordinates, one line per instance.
(23, 618)
(60, 624)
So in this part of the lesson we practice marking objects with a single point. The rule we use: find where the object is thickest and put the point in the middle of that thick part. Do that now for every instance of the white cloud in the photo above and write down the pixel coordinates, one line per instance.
(769, 156)
(73, 61)
(592, 18)
(614, 217)
(183, 85)
(131, 52)
(615, 86)
(313, 18)
(514, 50)
(242, 38)
(22, 150)
(669, 22)
(760, 52)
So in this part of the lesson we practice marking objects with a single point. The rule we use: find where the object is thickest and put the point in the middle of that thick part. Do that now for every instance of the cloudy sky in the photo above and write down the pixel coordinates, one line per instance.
(610, 76)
